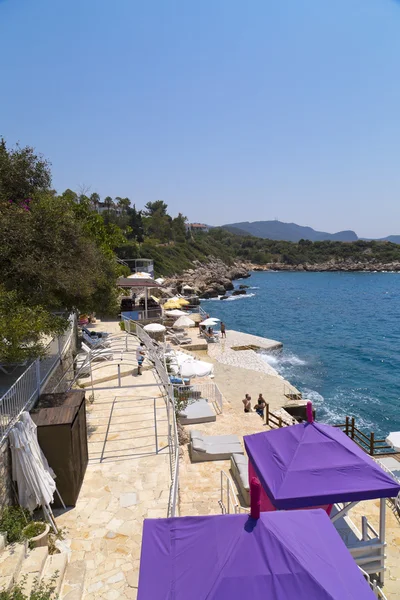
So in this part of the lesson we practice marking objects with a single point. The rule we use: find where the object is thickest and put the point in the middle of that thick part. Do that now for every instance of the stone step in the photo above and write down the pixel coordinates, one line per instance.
(32, 568)
(74, 581)
(54, 571)
(10, 563)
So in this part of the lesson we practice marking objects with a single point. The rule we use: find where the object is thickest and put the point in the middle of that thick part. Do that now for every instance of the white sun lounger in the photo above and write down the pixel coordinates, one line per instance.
(392, 466)
(240, 473)
(95, 342)
(95, 355)
(213, 447)
(198, 412)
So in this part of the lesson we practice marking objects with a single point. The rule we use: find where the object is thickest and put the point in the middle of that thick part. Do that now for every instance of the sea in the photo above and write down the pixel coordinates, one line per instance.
(340, 335)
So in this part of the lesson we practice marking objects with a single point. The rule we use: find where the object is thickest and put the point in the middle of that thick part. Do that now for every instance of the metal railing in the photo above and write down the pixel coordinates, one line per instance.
(23, 393)
(374, 586)
(228, 500)
(209, 391)
(156, 355)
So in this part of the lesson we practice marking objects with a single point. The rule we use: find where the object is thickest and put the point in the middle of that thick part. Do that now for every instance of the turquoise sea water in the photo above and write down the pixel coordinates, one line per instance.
(341, 339)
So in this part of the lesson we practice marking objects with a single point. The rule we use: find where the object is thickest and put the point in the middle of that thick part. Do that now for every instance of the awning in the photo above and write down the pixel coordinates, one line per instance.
(312, 464)
(295, 555)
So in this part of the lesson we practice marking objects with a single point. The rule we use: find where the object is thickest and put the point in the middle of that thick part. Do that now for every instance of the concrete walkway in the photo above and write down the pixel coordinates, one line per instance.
(127, 480)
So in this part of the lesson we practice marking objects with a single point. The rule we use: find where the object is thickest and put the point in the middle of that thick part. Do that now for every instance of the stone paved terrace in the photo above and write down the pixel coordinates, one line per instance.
(199, 483)
(125, 482)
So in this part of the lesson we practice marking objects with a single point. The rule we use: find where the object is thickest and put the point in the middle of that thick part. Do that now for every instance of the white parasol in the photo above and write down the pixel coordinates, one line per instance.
(154, 327)
(210, 322)
(30, 469)
(183, 322)
(393, 439)
(196, 368)
(175, 313)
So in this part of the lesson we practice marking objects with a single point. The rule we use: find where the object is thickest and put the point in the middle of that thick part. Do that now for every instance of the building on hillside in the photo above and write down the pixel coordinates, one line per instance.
(102, 207)
(197, 227)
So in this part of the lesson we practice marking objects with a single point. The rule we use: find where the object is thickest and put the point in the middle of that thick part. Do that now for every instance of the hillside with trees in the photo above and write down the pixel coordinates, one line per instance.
(58, 251)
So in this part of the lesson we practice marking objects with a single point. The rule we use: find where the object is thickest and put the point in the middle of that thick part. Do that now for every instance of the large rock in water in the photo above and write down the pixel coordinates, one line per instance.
(239, 292)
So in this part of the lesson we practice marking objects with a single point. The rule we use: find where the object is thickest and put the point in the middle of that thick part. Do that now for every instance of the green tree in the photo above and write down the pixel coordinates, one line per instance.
(123, 204)
(109, 203)
(23, 327)
(94, 200)
(23, 173)
(152, 208)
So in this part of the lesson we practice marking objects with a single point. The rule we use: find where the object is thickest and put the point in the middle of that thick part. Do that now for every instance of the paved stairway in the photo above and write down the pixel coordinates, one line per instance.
(19, 565)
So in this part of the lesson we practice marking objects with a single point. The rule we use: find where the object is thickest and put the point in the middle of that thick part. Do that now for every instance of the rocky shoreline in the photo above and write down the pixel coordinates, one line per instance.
(343, 266)
(214, 278)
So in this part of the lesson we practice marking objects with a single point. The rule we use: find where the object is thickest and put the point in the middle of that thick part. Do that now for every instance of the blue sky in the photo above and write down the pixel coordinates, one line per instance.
(227, 110)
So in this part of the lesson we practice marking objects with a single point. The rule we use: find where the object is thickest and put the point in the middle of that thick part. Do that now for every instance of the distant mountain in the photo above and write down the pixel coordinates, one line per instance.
(395, 239)
(290, 232)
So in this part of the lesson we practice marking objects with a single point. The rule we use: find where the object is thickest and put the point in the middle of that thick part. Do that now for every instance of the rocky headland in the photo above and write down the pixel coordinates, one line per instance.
(209, 280)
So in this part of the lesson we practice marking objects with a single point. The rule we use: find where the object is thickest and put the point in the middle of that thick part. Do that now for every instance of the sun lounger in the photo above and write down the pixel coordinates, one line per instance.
(95, 355)
(214, 447)
(95, 342)
(198, 412)
(94, 334)
(240, 472)
(390, 464)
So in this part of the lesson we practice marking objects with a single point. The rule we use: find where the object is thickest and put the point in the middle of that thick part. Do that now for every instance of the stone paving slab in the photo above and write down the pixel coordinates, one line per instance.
(126, 481)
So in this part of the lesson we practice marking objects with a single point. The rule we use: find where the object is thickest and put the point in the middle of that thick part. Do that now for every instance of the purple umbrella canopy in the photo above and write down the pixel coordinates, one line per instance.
(312, 464)
(281, 556)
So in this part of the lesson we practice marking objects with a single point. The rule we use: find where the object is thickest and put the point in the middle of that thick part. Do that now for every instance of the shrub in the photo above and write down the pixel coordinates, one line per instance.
(40, 591)
(12, 522)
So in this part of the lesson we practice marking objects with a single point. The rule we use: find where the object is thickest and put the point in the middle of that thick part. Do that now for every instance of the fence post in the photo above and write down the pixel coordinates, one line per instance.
(347, 426)
(353, 421)
(372, 444)
(38, 376)
(59, 348)
(267, 414)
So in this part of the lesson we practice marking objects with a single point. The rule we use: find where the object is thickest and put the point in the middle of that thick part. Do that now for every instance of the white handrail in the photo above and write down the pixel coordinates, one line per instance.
(231, 498)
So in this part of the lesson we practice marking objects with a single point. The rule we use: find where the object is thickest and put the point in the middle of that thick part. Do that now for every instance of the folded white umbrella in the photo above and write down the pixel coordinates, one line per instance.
(154, 327)
(175, 313)
(183, 322)
(210, 322)
(393, 439)
(196, 368)
(30, 468)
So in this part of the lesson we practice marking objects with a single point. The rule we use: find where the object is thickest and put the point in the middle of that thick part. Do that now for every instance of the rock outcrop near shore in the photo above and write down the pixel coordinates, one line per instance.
(347, 265)
(209, 280)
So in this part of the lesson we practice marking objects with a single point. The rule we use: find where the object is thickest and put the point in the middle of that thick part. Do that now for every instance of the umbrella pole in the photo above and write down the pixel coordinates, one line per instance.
(382, 535)
(61, 500)
(50, 518)
(145, 302)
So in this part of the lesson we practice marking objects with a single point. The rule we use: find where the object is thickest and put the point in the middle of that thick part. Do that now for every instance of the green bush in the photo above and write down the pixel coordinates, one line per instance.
(40, 591)
(12, 522)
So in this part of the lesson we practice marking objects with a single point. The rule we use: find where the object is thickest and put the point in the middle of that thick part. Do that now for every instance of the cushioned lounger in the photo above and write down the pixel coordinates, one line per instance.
(240, 472)
(214, 447)
(198, 412)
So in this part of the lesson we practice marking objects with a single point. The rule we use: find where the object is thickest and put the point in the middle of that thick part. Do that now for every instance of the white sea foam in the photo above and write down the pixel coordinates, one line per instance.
(239, 297)
(282, 360)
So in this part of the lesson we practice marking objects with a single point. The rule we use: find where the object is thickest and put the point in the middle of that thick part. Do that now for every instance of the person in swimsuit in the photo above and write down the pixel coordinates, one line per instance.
(247, 403)
(259, 407)
(223, 330)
